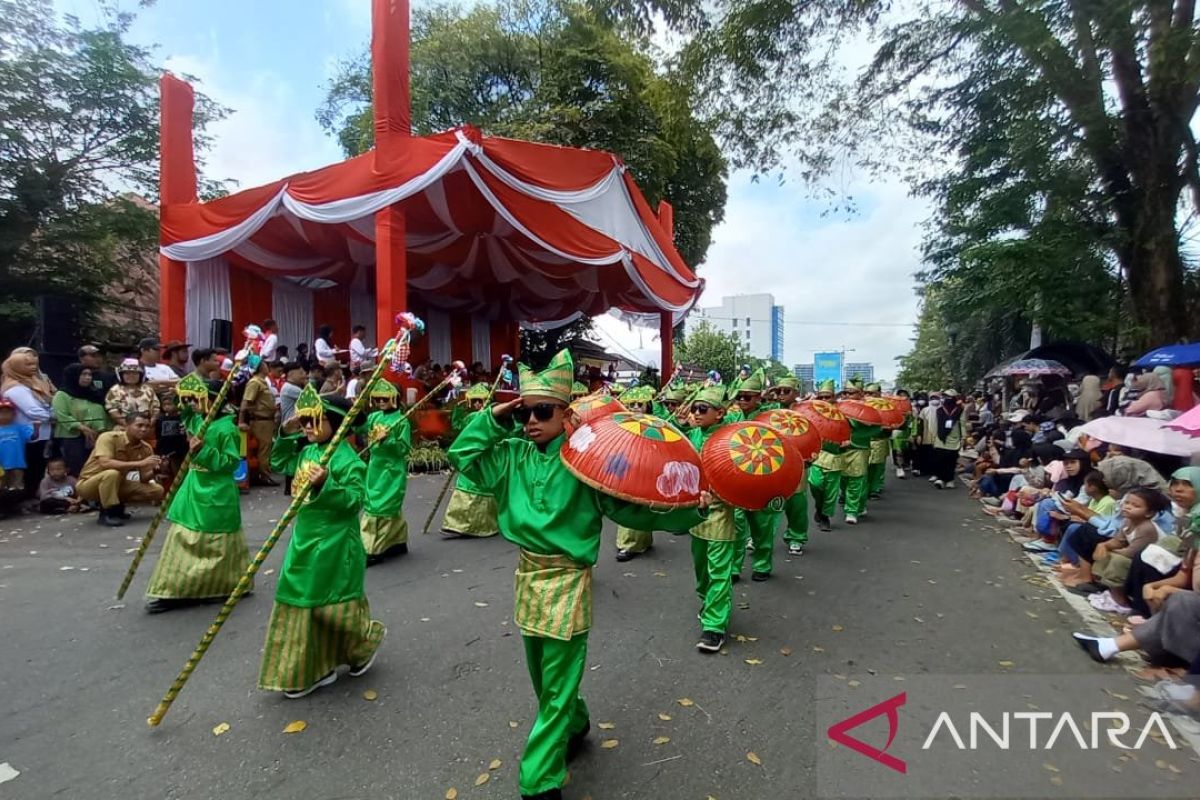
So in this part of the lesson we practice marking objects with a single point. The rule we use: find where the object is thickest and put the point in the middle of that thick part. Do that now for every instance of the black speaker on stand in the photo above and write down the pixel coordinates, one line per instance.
(220, 335)
(57, 336)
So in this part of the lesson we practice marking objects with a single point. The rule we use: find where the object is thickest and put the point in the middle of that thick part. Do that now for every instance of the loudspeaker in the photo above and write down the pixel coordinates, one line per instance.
(57, 325)
(220, 335)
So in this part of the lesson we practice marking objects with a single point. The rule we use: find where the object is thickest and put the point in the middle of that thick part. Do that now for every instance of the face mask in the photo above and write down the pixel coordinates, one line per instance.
(935, 403)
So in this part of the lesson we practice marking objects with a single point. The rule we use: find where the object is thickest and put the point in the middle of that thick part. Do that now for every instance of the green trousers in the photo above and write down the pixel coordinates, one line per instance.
(556, 669)
(854, 481)
(796, 511)
(634, 541)
(713, 562)
(758, 527)
(825, 486)
(876, 476)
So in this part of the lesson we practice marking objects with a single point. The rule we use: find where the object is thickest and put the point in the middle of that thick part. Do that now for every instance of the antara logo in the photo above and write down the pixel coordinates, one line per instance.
(891, 707)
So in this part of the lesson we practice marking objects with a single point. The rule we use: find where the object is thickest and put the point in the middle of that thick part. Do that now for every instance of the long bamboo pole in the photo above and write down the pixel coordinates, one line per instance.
(247, 578)
(165, 506)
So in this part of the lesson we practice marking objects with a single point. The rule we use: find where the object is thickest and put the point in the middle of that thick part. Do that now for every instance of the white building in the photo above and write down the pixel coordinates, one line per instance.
(753, 319)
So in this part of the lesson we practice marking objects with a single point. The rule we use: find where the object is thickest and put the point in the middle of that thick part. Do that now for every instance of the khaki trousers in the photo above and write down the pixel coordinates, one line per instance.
(112, 489)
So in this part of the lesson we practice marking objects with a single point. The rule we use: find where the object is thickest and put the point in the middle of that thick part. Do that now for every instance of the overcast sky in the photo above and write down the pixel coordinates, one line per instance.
(844, 282)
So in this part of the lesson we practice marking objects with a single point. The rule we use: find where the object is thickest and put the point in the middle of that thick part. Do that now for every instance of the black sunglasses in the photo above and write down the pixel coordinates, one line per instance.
(746, 398)
(542, 412)
(701, 408)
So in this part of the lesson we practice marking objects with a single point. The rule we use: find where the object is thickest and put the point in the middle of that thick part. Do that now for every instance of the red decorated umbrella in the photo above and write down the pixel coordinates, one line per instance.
(902, 403)
(830, 423)
(859, 411)
(751, 465)
(591, 407)
(796, 428)
(892, 416)
(635, 457)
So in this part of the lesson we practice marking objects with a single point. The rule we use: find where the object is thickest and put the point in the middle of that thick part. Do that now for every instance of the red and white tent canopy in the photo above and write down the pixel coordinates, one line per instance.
(495, 228)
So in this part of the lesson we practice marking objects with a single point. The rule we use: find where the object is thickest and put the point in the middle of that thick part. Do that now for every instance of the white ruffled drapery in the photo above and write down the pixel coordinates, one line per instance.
(437, 328)
(207, 298)
(481, 341)
(292, 308)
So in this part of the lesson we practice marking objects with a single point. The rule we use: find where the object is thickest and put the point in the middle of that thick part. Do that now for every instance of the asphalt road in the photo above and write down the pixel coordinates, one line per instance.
(920, 590)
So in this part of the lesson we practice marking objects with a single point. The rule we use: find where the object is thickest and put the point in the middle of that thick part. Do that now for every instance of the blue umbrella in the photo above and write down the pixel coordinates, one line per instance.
(1176, 355)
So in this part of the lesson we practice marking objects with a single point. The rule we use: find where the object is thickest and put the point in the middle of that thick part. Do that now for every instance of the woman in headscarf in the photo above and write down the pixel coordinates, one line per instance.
(78, 418)
(1152, 578)
(1090, 398)
(1152, 395)
(29, 390)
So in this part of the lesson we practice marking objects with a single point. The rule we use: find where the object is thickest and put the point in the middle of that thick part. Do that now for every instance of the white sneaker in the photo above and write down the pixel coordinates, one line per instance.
(851, 519)
(900, 473)
(328, 679)
(937, 484)
(933, 478)
(795, 549)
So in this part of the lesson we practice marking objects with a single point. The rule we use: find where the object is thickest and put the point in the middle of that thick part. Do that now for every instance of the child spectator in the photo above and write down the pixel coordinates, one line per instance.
(56, 492)
(170, 437)
(13, 438)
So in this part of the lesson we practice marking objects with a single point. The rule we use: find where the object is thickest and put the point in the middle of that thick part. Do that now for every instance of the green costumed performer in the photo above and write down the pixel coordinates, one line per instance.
(796, 509)
(754, 527)
(878, 456)
(825, 474)
(666, 407)
(556, 521)
(902, 440)
(205, 553)
(321, 619)
(631, 543)
(384, 529)
(855, 459)
(714, 541)
(471, 510)
(578, 390)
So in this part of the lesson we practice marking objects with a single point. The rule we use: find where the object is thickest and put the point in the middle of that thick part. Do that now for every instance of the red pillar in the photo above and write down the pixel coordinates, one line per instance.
(393, 126)
(666, 323)
(176, 185)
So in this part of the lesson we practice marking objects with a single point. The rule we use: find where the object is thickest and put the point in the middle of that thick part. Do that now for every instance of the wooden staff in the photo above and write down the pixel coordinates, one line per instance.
(663, 391)
(247, 578)
(686, 405)
(178, 481)
(504, 362)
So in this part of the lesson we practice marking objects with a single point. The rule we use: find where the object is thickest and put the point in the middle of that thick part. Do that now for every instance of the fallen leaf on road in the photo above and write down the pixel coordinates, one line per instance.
(751, 638)
(754, 662)
(495, 763)
(1050, 767)
(1031, 615)
(1174, 769)
(222, 728)
(932, 581)
(1117, 695)
(686, 701)
(818, 649)
(660, 574)
(295, 727)
(479, 604)
(424, 619)
(664, 717)
(785, 651)
(609, 744)
(1160, 764)
(960, 686)
(606, 726)
(740, 638)
(837, 629)
(744, 606)
(370, 694)
(65, 569)
(1056, 780)
(452, 793)
(456, 570)
(482, 779)
(269, 571)
(918, 619)
(1005, 664)
(513, 724)
(662, 739)
(753, 758)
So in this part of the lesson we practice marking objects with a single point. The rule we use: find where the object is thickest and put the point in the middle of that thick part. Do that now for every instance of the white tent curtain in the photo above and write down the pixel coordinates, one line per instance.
(362, 305)
(481, 341)
(293, 309)
(207, 298)
(437, 328)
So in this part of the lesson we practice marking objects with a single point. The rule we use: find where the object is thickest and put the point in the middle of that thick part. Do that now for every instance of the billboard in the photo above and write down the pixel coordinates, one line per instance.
(827, 367)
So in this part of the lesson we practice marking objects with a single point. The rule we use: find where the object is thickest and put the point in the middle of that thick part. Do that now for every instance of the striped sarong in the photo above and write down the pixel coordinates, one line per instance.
(195, 565)
(306, 644)
(553, 596)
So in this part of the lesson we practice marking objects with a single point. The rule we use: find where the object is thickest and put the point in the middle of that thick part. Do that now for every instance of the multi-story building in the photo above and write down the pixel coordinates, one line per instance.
(862, 370)
(804, 374)
(753, 319)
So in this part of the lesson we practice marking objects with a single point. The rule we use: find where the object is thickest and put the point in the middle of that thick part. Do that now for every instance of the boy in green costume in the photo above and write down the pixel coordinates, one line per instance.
(856, 459)
(204, 554)
(555, 520)
(902, 439)
(471, 510)
(878, 458)
(795, 510)
(321, 618)
(632, 543)
(384, 529)
(825, 474)
(755, 527)
(665, 408)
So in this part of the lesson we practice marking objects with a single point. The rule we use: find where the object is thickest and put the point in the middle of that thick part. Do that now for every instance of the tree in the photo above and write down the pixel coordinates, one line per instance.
(927, 366)
(550, 72)
(1120, 79)
(708, 348)
(539, 346)
(78, 125)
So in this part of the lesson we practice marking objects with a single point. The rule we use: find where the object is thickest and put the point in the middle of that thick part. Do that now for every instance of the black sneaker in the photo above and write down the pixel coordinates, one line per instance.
(576, 743)
(735, 577)
(122, 513)
(760, 576)
(157, 605)
(625, 555)
(824, 524)
(710, 642)
(396, 550)
(110, 518)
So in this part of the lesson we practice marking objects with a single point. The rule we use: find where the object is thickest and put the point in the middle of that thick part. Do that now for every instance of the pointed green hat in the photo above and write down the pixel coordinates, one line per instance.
(713, 395)
(312, 405)
(873, 387)
(382, 388)
(788, 382)
(578, 389)
(755, 384)
(676, 392)
(827, 386)
(638, 394)
(554, 381)
(478, 391)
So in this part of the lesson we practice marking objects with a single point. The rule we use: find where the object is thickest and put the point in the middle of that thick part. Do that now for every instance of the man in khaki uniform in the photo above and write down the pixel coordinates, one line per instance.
(105, 475)
(258, 417)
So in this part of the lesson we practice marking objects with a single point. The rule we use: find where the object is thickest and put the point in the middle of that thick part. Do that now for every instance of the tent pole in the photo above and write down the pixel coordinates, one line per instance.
(666, 327)
(176, 184)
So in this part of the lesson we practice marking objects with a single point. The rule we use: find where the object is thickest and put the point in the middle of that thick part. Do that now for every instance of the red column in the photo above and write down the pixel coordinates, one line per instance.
(666, 327)
(176, 185)
(393, 126)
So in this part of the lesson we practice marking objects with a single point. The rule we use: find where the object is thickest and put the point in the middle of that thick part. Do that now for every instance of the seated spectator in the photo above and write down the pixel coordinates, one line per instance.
(78, 418)
(132, 395)
(56, 492)
(1157, 573)
(120, 470)
(1051, 513)
(1152, 395)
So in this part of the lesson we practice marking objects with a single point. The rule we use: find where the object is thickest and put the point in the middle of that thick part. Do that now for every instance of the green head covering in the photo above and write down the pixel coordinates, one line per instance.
(382, 388)
(873, 387)
(1189, 474)
(713, 395)
(755, 384)
(478, 391)
(578, 389)
(554, 381)
(676, 392)
(853, 385)
(193, 386)
(312, 405)
(638, 394)
(788, 382)
(827, 386)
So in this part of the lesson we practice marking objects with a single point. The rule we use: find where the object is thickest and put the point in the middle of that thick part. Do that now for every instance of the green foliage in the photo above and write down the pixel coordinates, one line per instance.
(707, 348)
(428, 457)
(78, 124)
(539, 346)
(551, 72)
